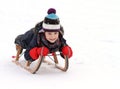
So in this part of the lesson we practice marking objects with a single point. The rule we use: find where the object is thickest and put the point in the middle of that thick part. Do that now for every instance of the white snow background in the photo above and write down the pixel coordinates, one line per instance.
(92, 29)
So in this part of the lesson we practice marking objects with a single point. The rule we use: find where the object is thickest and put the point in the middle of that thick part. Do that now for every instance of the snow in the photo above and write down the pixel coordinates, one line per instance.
(91, 29)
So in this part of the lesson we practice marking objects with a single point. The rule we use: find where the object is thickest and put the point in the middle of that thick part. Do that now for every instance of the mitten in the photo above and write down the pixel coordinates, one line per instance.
(35, 52)
(43, 51)
(67, 51)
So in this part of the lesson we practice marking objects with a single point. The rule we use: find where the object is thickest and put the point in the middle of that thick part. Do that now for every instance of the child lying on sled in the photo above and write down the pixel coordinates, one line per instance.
(46, 37)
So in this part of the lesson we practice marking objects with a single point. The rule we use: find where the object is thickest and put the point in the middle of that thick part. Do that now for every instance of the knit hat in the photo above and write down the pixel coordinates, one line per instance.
(51, 21)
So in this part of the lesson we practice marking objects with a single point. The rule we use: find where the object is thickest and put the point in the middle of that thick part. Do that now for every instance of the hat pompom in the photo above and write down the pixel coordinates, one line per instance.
(51, 10)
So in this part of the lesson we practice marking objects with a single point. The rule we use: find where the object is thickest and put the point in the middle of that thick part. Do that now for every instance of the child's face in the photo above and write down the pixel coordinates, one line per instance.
(52, 36)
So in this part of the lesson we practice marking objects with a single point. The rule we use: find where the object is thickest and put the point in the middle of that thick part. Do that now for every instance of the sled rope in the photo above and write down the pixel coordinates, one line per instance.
(50, 57)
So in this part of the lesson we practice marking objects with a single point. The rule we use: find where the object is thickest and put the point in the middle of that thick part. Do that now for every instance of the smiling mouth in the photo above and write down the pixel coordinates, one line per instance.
(52, 39)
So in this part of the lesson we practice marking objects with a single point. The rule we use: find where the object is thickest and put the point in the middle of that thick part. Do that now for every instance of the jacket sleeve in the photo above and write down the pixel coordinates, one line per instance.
(63, 43)
(32, 44)
(26, 39)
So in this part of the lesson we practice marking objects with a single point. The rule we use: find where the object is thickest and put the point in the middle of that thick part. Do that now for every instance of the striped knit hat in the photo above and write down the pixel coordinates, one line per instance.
(51, 21)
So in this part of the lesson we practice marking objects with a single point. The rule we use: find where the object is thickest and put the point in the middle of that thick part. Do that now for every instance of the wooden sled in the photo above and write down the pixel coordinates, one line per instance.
(61, 63)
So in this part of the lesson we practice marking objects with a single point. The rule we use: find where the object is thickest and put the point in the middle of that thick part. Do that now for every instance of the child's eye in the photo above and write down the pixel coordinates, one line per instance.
(49, 33)
(55, 33)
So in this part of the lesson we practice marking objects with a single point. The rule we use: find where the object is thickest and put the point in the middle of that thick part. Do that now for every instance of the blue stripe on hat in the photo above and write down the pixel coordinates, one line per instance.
(52, 16)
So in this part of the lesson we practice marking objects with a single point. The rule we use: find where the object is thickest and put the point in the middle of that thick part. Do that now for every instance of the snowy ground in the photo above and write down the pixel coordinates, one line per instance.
(91, 29)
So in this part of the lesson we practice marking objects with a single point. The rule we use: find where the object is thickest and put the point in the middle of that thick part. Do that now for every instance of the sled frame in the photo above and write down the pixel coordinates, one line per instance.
(56, 62)
(42, 59)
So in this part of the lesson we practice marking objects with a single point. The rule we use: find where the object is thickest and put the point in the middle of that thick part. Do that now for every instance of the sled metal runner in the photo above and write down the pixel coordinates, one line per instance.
(41, 59)
(60, 63)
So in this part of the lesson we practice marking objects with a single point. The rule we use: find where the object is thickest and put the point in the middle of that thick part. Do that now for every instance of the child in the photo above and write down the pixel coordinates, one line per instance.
(45, 38)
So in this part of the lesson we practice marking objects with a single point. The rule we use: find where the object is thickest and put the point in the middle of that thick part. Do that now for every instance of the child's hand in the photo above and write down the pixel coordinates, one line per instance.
(67, 51)
(35, 52)
(43, 51)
